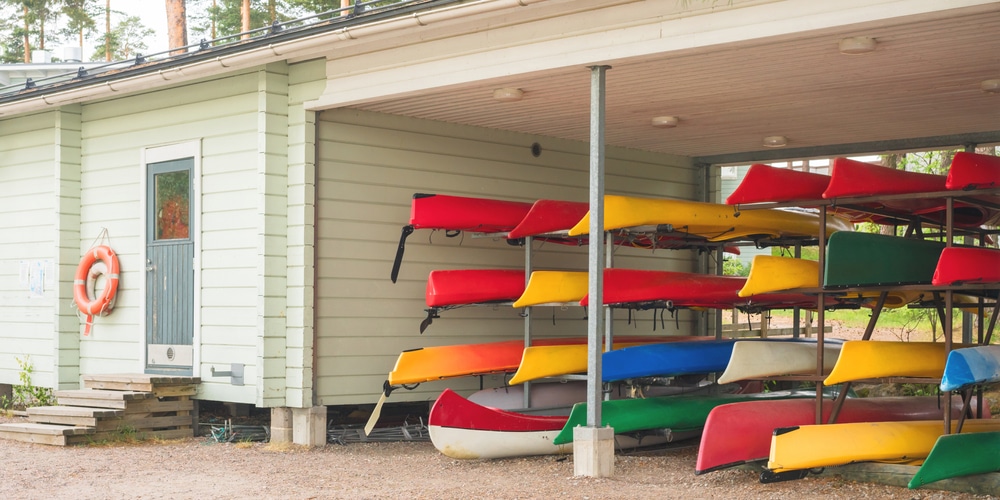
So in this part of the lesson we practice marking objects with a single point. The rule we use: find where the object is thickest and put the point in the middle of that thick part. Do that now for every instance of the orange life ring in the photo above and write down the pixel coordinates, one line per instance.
(100, 260)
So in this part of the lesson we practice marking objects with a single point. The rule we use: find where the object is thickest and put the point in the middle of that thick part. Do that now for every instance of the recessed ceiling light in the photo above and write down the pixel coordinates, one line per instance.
(857, 45)
(775, 141)
(664, 121)
(508, 94)
(991, 86)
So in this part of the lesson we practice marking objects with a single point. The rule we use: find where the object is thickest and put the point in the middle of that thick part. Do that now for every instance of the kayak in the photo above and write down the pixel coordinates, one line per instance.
(760, 360)
(541, 361)
(456, 214)
(711, 221)
(739, 433)
(462, 429)
(553, 287)
(973, 171)
(955, 455)
(866, 259)
(864, 359)
(473, 286)
(812, 446)
(549, 217)
(642, 288)
(958, 265)
(971, 365)
(426, 364)
(667, 359)
(677, 413)
(770, 274)
(767, 184)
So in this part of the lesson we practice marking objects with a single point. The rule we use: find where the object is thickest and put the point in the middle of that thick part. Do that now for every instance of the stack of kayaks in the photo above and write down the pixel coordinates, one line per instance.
(900, 428)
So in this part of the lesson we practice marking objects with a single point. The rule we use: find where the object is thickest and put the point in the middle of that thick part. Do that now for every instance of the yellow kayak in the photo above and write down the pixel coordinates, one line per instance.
(862, 359)
(712, 221)
(769, 274)
(553, 287)
(554, 360)
(813, 446)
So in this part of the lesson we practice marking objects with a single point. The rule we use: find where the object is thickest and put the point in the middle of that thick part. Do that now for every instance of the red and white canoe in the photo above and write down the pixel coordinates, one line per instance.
(738, 433)
(642, 288)
(460, 428)
(959, 265)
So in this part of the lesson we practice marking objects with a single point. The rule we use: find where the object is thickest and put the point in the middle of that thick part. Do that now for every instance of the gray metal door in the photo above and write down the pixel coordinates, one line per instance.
(169, 267)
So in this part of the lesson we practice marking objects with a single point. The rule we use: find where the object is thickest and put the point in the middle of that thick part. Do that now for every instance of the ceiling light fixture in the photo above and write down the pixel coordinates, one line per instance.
(857, 45)
(775, 141)
(991, 86)
(508, 94)
(664, 121)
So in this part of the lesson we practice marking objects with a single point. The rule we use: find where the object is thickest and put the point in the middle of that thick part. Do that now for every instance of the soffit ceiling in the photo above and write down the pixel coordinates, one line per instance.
(922, 81)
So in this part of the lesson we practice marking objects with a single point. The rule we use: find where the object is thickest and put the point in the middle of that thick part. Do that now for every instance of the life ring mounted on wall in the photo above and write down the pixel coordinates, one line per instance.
(98, 261)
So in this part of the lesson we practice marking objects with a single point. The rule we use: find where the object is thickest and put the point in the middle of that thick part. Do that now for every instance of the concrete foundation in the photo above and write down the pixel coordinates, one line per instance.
(281, 425)
(309, 426)
(593, 451)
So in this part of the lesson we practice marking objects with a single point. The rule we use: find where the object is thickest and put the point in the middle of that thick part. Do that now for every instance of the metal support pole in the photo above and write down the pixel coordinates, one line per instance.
(820, 315)
(797, 312)
(609, 319)
(527, 313)
(595, 261)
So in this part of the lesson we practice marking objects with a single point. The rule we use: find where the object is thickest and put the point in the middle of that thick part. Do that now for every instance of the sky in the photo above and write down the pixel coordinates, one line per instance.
(153, 14)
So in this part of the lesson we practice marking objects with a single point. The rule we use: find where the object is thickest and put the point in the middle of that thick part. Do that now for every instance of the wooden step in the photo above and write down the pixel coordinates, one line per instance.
(145, 423)
(50, 434)
(137, 381)
(100, 399)
(72, 415)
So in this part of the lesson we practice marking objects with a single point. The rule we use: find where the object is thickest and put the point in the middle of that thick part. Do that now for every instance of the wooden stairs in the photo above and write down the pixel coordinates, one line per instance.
(112, 407)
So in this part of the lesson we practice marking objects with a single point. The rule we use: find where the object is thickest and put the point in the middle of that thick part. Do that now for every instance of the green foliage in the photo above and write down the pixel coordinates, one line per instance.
(734, 267)
(26, 394)
(808, 253)
(127, 40)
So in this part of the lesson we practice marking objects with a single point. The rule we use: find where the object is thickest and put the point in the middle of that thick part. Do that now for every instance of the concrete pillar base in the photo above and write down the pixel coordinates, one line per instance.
(281, 425)
(593, 451)
(309, 426)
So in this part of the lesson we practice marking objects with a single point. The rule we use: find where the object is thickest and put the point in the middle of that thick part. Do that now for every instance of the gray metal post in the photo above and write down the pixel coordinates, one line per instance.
(609, 319)
(527, 314)
(595, 261)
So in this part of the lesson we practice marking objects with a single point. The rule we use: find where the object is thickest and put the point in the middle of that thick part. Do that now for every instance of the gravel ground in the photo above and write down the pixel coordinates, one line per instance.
(201, 469)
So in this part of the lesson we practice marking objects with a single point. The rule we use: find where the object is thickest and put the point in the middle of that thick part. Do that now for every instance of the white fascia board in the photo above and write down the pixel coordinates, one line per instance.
(625, 31)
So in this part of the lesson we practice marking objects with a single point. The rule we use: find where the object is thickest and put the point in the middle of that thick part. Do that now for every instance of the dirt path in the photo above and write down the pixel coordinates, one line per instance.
(200, 469)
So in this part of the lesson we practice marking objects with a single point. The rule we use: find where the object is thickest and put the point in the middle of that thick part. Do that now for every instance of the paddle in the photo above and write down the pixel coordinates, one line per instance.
(377, 412)
(407, 230)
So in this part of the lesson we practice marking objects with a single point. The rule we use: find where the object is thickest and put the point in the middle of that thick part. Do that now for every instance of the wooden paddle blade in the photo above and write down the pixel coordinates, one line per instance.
(376, 413)
(407, 230)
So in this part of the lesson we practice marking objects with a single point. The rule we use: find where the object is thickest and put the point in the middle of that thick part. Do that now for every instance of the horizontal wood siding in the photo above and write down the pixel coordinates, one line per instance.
(27, 234)
(222, 114)
(369, 167)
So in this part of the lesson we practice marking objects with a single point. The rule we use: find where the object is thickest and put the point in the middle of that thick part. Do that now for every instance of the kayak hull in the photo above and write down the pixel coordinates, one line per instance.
(865, 359)
(971, 365)
(812, 446)
(958, 265)
(756, 360)
(865, 259)
(956, 455)
(459, 213)
(973, 171)
(553, 287)
(473, 286)
(738, 433)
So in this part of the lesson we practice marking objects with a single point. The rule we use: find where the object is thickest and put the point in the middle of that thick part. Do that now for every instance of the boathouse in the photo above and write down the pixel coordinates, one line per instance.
(254, 191)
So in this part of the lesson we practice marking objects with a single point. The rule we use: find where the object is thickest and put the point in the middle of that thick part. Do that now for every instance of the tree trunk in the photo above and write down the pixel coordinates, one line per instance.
(27, 41)
(344, 4)
(107, 31)
(176, 26)
(245, 16)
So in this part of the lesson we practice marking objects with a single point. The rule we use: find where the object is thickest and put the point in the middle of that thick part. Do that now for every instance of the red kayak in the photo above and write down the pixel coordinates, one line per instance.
(855, 178)
(549, 216)
(958, 265)
(767, 184)
(738, 433)
(973, 171)
(473, 286)
(641, 289)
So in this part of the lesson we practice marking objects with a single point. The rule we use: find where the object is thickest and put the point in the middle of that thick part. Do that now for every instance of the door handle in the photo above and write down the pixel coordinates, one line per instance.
(149, 266)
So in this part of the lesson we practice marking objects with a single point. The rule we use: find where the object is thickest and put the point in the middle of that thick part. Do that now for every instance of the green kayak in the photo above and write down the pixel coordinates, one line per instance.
(957, 455)
(677, 413)
(866, 259)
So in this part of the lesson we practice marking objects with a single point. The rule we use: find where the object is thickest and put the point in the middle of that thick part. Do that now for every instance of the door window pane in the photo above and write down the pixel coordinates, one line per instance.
(172, 205)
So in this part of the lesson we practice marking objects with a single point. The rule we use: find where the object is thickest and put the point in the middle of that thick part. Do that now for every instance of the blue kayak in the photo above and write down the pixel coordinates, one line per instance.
(971, 365)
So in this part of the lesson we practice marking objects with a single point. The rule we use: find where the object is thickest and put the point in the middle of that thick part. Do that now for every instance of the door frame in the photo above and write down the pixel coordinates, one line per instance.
(157, 154)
